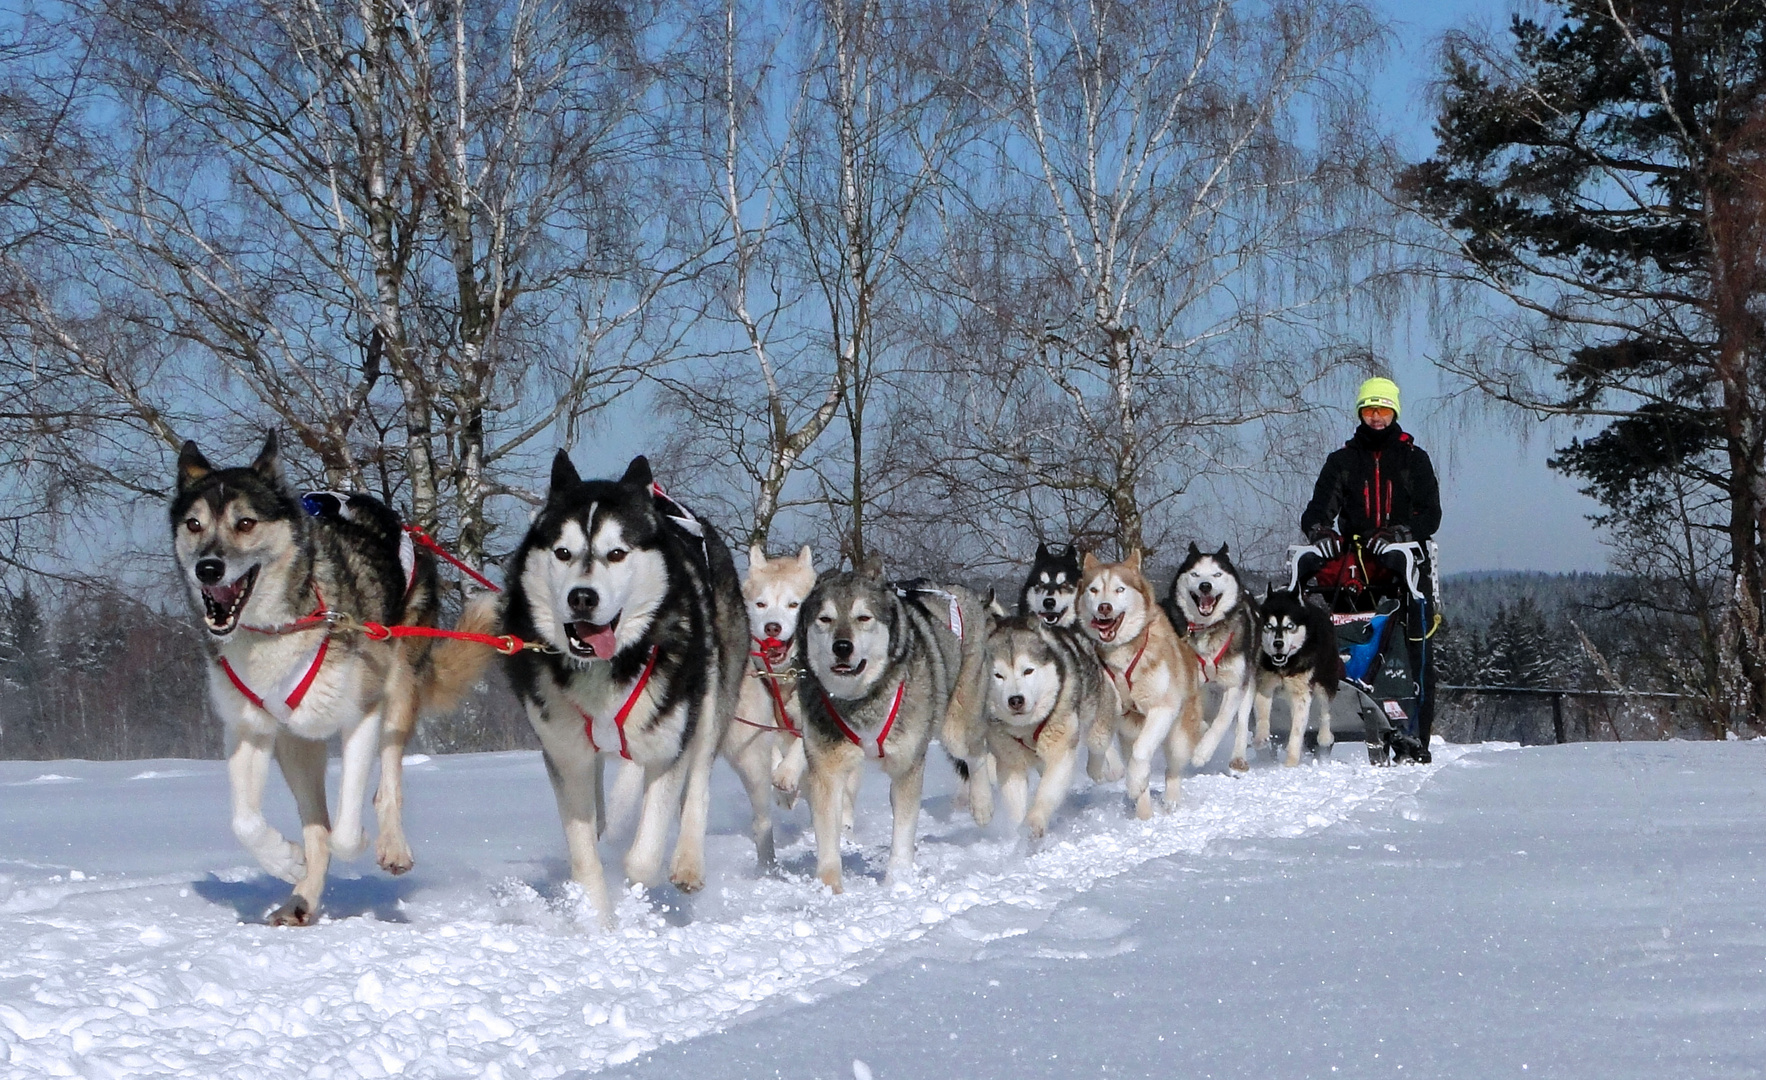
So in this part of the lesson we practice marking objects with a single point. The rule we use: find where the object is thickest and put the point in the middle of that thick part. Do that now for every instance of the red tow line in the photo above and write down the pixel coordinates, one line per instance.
(780, 715)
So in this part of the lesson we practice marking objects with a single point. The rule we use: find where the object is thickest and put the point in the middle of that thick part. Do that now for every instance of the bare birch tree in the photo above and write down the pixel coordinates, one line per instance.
(408, 233)
(1157, 252)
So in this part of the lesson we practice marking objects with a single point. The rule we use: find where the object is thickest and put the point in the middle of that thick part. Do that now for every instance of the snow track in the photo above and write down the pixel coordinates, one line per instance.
(123, 952)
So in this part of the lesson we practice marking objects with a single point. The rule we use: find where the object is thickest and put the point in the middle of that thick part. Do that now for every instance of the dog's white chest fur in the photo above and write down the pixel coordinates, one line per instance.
(273, 668)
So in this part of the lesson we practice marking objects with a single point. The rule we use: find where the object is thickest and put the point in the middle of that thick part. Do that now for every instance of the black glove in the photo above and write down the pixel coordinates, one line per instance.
(1328, 543)
(1386, 537)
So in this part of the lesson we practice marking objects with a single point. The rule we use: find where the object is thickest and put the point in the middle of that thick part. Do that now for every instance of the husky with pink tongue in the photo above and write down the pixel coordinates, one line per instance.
(640, 600)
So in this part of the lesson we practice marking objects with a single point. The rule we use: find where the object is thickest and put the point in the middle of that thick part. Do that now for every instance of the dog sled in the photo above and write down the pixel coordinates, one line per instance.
(1383, 621)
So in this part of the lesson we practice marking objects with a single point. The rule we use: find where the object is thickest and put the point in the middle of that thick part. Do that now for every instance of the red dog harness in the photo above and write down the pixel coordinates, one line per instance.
(852, 735)
(625, 711)
(1127, 675)
(284, 708)
(1037, 734)
(1208, 666)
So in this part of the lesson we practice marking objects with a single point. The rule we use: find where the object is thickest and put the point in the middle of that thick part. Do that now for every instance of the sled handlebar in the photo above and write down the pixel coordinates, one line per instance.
(1410, 549)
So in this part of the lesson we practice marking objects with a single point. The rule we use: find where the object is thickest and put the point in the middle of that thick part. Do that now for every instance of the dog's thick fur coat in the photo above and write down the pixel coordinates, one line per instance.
(885, 666)
(642, 603)
(765, 743)
(1209, 605)
(1155, 672)
(1297, 652)
(254, 560)
(1046, 694)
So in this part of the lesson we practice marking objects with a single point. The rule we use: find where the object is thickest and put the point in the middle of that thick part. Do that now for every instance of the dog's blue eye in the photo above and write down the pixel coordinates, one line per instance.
(563, 554)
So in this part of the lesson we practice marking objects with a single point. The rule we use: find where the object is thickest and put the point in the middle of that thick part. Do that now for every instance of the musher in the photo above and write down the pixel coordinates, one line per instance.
(1379, 489)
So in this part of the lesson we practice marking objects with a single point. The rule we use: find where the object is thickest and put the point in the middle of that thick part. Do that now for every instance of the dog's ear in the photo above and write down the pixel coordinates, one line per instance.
(1268, 591)
(756, 556)
(192, 466)
(1221, 554)
(1194, 552)
(1134, 559)
(1088, 563)
(266, 464)
(1042, 551)
(807, 558)
(564, 474)
(638, 473)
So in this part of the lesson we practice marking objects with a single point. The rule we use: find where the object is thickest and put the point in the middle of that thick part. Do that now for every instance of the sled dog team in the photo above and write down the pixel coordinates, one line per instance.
(645, 645)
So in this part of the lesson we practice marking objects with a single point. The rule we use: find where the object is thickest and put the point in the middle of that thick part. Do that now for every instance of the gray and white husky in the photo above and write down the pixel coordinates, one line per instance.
(266, 573)
(765, 743)
(641, 602)
(1297, 652)
(886, 666)
(1047, 693)
(1209, 606)
(1052, 588)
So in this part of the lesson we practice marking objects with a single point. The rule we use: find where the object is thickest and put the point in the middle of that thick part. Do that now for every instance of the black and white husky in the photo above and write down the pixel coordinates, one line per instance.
(1297, 652)
(886, 665)
(268, 572)
(1208, 604)
(1047, 693)
(641, 602)
(1053, 585)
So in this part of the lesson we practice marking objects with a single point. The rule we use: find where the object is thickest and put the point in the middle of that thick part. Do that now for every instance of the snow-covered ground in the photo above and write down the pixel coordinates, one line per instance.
(1589, 910)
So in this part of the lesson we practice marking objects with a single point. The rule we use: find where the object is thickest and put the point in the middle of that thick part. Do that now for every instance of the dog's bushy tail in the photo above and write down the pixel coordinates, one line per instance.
(455, 666)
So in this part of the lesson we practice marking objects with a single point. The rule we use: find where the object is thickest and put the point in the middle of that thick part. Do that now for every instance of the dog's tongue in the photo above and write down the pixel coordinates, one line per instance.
(598, 638)
(774, 649)
(224, 595)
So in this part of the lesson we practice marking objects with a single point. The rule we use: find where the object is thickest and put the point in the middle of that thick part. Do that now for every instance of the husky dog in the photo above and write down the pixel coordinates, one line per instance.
(1297, 651)
(1053, 584)
(1155, 672)
(1046, 691)
(885, 665)
(641, 601)
(265, 574)
(765, 744)
(1208, 602)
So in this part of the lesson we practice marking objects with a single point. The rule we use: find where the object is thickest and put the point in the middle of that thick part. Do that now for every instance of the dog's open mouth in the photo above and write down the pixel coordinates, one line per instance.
(773, 651)
(847, 667)
(222, 604)
(1205, 605)
(1279, 659)
(590, 640)
(1106, 628)
(1053, 618)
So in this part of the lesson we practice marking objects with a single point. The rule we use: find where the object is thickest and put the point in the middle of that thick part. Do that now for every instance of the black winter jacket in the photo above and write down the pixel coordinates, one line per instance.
(1378, 479)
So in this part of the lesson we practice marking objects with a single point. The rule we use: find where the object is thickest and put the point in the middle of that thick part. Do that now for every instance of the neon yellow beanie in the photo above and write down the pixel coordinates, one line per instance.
(1375, 394)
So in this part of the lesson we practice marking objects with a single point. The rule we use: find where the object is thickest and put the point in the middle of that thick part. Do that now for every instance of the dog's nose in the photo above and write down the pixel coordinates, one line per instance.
(1105, 608)
(1016, 701)
(772, 629)
(1205, 588)
(1048, 603)
(583, 600)
(210, 571)
(842, 649)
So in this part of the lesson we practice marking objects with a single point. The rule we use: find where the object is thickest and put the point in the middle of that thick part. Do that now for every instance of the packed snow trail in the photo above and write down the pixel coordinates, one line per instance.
(131, 943)
(1583, 912)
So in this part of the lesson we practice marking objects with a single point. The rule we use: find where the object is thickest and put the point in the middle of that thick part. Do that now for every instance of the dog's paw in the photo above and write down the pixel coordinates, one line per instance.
(1239, 765)
(830, 878)
(394, 855)
(1038, 827)
(688, 881)
(295, 911)
(288, 862)
(1143, 806)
